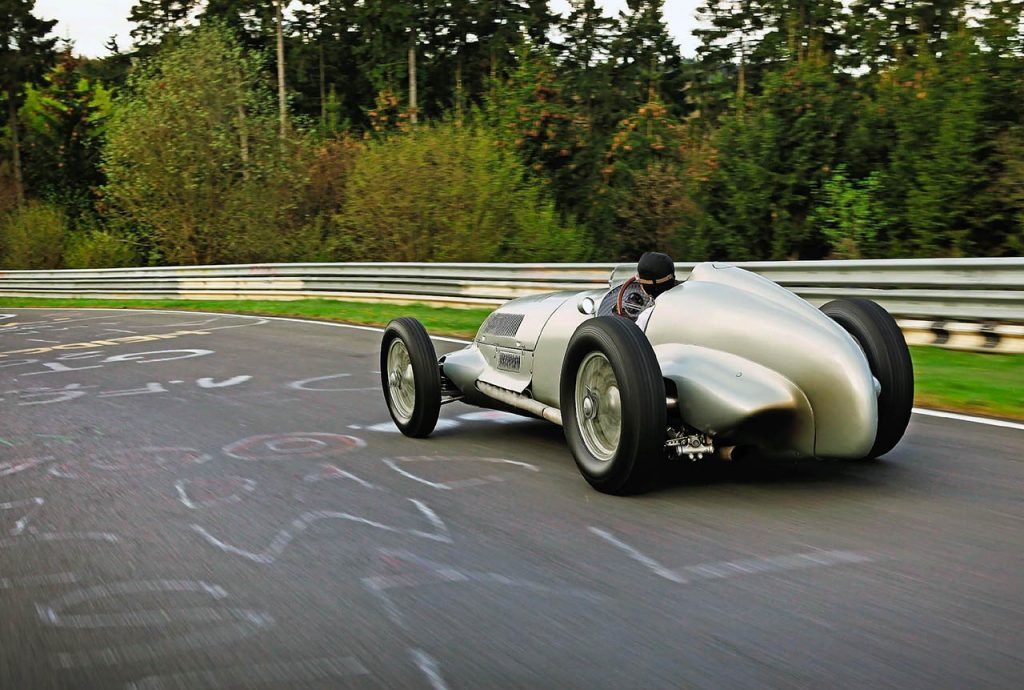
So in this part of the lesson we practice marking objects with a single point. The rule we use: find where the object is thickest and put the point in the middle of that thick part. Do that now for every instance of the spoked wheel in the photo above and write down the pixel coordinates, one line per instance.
(613, 405)
(880, 338)
(410, 377)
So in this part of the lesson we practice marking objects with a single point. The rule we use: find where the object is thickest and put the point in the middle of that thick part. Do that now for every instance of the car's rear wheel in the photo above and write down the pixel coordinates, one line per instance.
(888, 356)
(410, 377)
(612, 398)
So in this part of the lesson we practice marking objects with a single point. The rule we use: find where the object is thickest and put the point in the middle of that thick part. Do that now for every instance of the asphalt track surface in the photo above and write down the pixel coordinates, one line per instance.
(229, 506)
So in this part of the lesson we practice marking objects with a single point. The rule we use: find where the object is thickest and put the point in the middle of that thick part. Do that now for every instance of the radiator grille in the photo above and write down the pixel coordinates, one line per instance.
(508, 361)
(502, 324)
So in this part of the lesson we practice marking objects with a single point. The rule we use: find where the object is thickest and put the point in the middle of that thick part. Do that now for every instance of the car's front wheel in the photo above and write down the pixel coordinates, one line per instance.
(410, 377)
(612, 397)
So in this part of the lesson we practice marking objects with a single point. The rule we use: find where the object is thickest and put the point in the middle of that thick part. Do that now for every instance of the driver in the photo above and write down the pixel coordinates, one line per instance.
(656, 274)
(634, 298)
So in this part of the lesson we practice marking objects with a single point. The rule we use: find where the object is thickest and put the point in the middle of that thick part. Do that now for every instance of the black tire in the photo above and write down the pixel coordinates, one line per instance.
(889, 358)
(426, 394)
(641, 393)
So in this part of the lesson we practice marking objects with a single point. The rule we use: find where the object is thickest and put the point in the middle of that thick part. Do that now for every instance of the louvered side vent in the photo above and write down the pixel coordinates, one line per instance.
(502, 324)
(508, 361)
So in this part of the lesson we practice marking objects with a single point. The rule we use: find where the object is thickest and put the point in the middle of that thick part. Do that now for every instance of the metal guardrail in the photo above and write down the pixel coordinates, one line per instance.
(980, 290)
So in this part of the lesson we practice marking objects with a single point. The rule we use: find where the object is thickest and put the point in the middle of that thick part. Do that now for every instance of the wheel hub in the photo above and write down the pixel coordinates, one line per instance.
(401, 381)
(598, 407)
(589, 406)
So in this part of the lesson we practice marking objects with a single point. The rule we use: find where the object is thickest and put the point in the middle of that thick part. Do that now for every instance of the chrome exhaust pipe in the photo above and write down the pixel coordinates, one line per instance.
(520, 402)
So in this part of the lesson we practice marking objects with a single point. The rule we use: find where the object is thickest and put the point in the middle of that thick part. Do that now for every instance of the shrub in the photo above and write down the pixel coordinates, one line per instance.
(99, 249)
(445, 193)
(32, 237)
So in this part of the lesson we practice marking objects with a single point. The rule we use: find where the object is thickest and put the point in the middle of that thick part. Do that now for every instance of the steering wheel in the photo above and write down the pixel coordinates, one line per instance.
(629, 305)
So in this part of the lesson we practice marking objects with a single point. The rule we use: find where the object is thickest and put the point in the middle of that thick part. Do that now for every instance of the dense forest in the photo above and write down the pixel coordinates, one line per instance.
(498, 130)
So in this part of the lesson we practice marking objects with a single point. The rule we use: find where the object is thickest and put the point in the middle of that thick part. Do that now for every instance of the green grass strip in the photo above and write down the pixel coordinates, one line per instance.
(980, 383)
(438, 320)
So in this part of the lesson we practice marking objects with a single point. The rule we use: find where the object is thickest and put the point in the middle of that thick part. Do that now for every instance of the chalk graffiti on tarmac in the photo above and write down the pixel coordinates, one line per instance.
(199, 493)
(23, 532)
(209, 626)
(133, 462)
(300, 444)
(63, 363)
(48, 395)
(498, 469)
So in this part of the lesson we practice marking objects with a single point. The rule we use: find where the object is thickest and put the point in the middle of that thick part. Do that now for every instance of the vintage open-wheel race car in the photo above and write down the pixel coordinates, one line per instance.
(727, 364)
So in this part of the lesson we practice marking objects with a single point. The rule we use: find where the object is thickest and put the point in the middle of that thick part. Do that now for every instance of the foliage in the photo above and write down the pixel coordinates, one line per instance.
(64, 120)
(32, 236)
(461, 199)
(193, 159)
(97, 248)
(850, 216)
(800, 130)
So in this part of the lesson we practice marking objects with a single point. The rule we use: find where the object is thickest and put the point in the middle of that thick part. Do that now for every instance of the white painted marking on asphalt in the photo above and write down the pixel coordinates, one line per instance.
(431, 669)
(286, 674)
(454, 484)
(657, 568)
(968, 418)
(38, 580)
(231, 624)
(406, 570)
(60, 536)
(15, 466)
(796, 561)
(390, 428)
(718, 570)
(242, 484)
(284, 537)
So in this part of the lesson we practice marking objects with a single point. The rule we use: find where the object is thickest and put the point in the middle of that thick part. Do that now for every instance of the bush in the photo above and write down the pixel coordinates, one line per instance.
(32, 237)
(99, 249)
(445, 193)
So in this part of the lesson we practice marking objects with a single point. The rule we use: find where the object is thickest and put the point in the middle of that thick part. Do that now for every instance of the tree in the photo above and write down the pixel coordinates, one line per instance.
(584, 56)
(734, 28)
(647, 62)
(535, 119)
(64, 122)
(155, 19)
(881, 32)
(653, 171)
(771, 161)
(194, 162)
(25, 54)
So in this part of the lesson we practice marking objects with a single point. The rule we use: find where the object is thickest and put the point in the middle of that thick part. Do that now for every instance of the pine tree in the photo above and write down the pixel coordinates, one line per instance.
(64, 122)
(880, 32)
(727, 47)
(155, 19)
(584, 56)
(25, 54)
(647, 61)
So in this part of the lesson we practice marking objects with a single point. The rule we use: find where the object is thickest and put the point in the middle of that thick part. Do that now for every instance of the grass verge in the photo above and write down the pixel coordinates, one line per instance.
(988, 384)
(438, 320)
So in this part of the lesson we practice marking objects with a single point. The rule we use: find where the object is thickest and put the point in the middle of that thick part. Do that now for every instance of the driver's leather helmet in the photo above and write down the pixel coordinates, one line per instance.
(656, 273)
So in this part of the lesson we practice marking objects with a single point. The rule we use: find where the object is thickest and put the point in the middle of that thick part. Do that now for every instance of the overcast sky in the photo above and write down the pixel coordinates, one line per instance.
(91, 22)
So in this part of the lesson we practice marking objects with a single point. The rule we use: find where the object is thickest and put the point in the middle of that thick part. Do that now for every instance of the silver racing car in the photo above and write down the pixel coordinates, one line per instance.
(726, 364)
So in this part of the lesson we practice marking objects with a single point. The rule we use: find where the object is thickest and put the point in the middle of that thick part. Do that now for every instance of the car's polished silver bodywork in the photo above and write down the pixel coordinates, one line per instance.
(748, 362)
